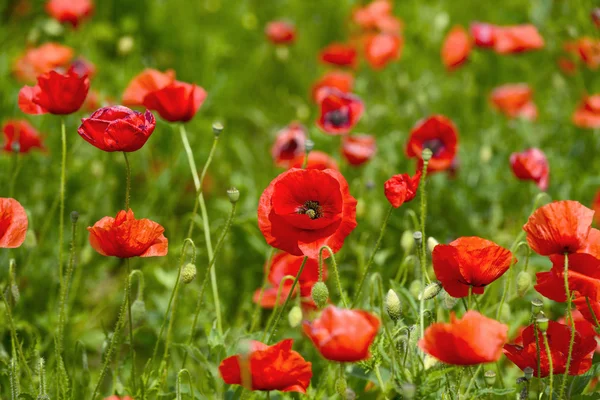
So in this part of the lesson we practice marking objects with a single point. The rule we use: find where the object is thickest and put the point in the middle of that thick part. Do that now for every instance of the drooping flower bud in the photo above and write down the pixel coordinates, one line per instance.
(340, 387)
(393, 305)
(138, 311)
(415, 288)
(188, 274)
(320, 294)
(490, 377)
(431, 243)
(523, 283)
(418, 238)
(125, 45)
(407, 242)
(234, 195)
(295, 316)
(430, 291)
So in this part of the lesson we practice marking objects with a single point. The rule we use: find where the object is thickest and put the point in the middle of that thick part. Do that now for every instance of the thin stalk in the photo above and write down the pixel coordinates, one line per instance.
(16, 167)
(550, 366)
(472, 381)
(335, 272)
(64, 292)
(423, 195)
(13, 335)
(131, 343)
(470, 297)
(128, 181)
(563, 384)
(63, 179)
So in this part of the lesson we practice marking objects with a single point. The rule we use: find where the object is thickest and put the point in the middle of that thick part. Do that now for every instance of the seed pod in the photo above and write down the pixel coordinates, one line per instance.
(295, 316)
(393, 305)
(542, 323)
(490, 377)
(523, 283)
(528, 372)
(234, 195)
(217, 128)
(426, 154)
(536, 306)
(430, 291)
(188, 274)
(74, 216)
(418, 238)
(320, 294)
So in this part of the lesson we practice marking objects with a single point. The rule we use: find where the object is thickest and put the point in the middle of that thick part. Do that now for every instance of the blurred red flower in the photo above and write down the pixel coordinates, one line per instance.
(595, 14)
(149, 80)
(587, 50)
(339, 111)
(584, 324)
(382, 48)
(83, 67)
(469, 261)
(596, 207)
(559, 336)
(438, 134)
(280, 32)
(368, 16)
(176, 102)
(117, 128)
(13, 223)
(125, 237)
(340, 80)
(20, 132)
(316, 160)
(483, 34)
(303, 210)
(402, 188)
(516, 39)
(587, 114)
(514, 100)
(55, 93)
(71, 11)
(531, 165)
(583, 276)
(275, 367)
(473, 339)
(591, 315)
(358, 149)
(343, 55)
(343, 335)
(456, 48)
(289, 144)
(39, 60)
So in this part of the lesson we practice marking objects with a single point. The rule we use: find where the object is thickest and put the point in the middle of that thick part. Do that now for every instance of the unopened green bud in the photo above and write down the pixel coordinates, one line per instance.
(415, 288)
(138, 311)
(536, 306)
(528, 372)
(523, 283)
(505, 313)
(449, 301)
(340, 387)
(234, 195)
(14, 292)
(295, 316)
(188, 274)
(431, 291)
(217, 128)
(542, 323)
(320, 294)
(431, 243)
(407, 242)
(408, 391)
(490, 377)
(393, 305)
(426, 154)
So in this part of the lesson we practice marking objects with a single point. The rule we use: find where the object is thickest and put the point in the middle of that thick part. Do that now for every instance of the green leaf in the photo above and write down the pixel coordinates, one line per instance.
(580, 382)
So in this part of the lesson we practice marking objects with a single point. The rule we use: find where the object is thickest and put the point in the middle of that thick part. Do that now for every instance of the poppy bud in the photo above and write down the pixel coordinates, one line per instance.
(217, 128)
(490, 377)
(415, 288)
(429, 362)
(431, 243)
(309, 145)
(430, 291)
(234, 195)
(426, 154)
(407, 242)
(138, 311)
(542, 323)
(449, 301)
(295, 316)
(125, 45)
(341, 386)
(408, 391)
(418, 238)
(14, 291)
(523, 283)
(505, 312)
(528, 371)
(393, 305)
(188, 274)
(536, 306)
(320, 294)
(74, 216)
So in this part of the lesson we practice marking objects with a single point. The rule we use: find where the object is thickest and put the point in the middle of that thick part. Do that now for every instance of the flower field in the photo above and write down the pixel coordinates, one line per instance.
(343, 199)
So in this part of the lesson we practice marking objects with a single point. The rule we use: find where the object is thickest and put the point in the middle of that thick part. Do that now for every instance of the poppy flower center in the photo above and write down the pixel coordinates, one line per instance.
(289, 146)
(435, 145)
(338, 118)
(312, 209)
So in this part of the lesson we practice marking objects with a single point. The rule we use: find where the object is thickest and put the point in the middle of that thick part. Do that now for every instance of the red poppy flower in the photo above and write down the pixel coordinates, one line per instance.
(358, 149)
(21, 133)
(340, 54)
(583, 276)
(42, 59)
(592, 315)
(71, 11)
(117, 128)
(275, 367)
(584, 324)
(382, 48)
(587, 50)
(456, 48)
(13, 223)
(483, 34)
(280, 32)
(559, 227)
(339, 111)
(514, 100)
(343, 335)
(125, 237)
(316, 160)
(531, 165)
(438, 134)
(559, 336)
(149, 80)
(176, 102)
(366, 17)
(517, 39)
(469, 261)
(55, 94)
(596, 207)
(289, 144)
(303, 210)
(340, 80)
(402, 188)
(587, 115)
(473, 339)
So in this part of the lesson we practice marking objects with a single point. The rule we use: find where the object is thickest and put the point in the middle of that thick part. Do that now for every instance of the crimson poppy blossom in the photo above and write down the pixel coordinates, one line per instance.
(55, 93)
(583, 276)
(305, 209)
(20, 132)
(483, 34)
(343, 335)
(316, 160)
(401, 188)
(382, 48)
(585, 324)
(456, 48)
(532, 165)
(125, 237)
(367, 17)
(117, 128)
(358, 149)
(517, 39)
(176, 102)
(340, 54)
(587, 50)
(39, 60)
(275, 367)
(526, 354)
(514, 100)
(71, 11)
(587, 114)
(469, 262)
(596, 207)
(473, 339)
(13, 223)
(339, 111)
(559, 227)
(340, 80)
(149, 80)
(289, 144)
(438, 134)
(280, 32)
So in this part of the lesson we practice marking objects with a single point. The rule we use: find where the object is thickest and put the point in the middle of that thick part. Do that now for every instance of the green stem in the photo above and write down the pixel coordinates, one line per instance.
(128, 181)
(335, 272)
(64, 292)
(472, 381)
(563, 384)
(13, 335)
(15, 173)
(63, 178)
(470, 296)
(423, 195)
(372, 257)
(178, 394)
(262, 291)
(276, 307)
(550, 366)
(131, 343)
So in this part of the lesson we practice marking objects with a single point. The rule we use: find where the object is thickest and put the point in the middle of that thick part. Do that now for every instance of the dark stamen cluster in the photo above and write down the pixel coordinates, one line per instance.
(312, 209)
